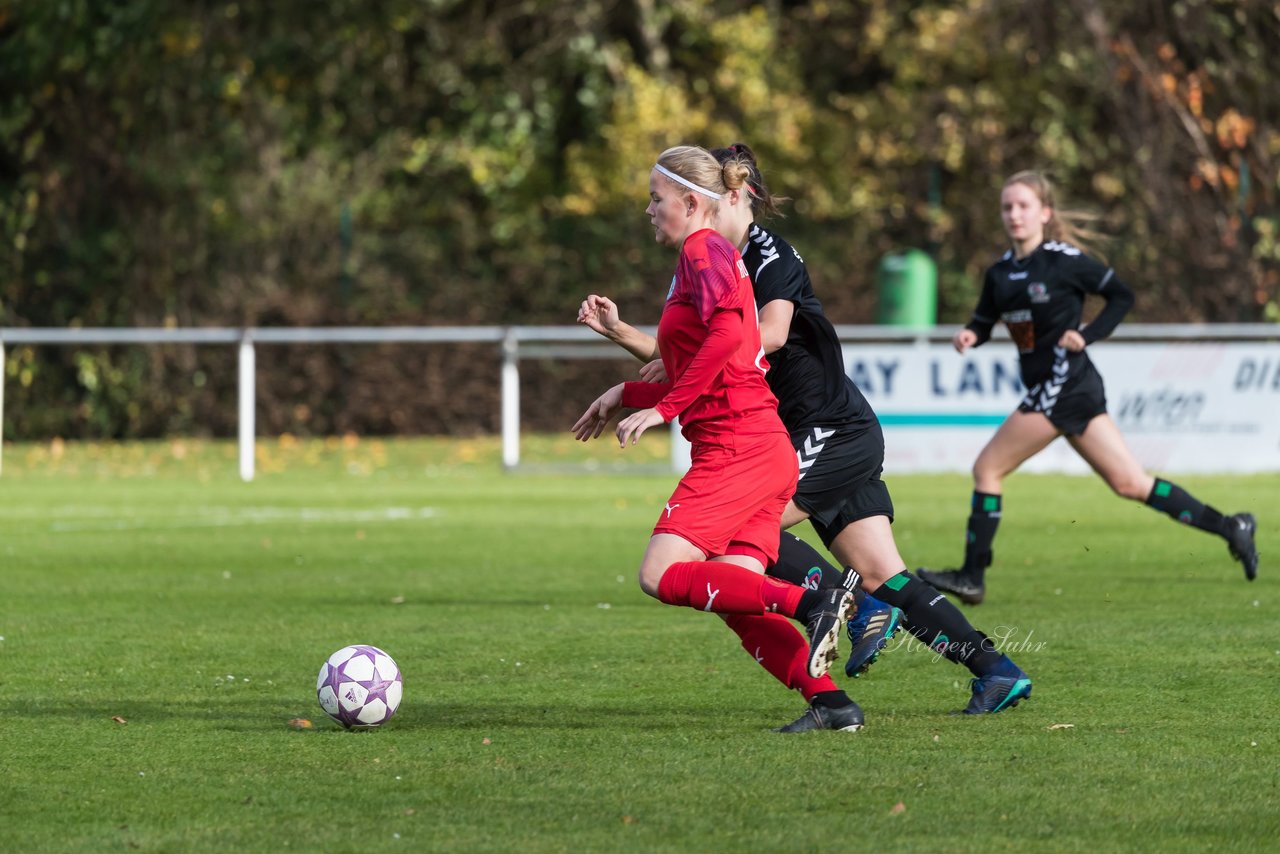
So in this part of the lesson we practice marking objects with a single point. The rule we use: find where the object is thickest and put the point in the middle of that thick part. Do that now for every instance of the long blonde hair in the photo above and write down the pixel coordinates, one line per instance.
(1067, 225)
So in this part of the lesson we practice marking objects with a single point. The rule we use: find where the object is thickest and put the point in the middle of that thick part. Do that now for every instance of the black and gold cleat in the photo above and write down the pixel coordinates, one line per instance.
(957, 582)
(844, 719)
(824, 622)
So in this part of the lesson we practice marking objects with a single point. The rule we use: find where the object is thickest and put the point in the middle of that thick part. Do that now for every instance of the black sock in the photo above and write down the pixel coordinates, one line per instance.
(809, 600)
(1177, 503)
(937, 623)
(831, 699)
(984, 518)
(802, 564)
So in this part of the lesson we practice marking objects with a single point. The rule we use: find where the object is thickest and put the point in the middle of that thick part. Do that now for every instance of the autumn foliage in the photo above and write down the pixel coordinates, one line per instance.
(451, 162)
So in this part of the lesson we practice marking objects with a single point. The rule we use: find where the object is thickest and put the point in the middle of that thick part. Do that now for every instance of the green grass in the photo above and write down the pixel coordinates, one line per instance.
(550, 706)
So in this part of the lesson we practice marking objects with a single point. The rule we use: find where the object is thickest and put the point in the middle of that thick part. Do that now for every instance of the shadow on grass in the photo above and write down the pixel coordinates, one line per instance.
(232, 713)
(463, 601)
(481, 717)
(420, 716)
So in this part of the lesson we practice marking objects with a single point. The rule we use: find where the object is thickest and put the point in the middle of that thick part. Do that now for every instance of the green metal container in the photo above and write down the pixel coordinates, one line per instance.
(908, 289)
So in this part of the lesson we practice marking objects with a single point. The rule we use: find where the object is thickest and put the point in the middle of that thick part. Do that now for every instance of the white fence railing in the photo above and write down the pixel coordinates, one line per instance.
(514, 343)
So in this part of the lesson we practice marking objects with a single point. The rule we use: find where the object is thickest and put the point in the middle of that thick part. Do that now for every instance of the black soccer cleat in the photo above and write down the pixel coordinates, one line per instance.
(844, 719)
(825, 621)
(962, 585)
(993, 694)
(1240, 530)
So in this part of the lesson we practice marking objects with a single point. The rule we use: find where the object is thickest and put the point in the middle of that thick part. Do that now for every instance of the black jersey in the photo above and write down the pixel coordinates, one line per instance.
(1040, 297)
(807, 373)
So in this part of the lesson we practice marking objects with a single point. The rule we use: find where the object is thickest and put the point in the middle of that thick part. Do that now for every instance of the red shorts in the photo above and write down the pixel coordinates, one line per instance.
(731, 499)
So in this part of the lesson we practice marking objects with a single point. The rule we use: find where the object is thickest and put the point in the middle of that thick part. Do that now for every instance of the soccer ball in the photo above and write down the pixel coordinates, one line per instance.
(359, 687)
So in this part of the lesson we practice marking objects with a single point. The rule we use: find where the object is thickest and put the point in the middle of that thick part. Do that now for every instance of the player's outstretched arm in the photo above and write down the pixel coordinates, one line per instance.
(592, 422)
(633, 426)
(601, 314)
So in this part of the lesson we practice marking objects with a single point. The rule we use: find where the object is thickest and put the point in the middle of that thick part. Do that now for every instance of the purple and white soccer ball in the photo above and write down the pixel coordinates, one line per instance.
(359, 687)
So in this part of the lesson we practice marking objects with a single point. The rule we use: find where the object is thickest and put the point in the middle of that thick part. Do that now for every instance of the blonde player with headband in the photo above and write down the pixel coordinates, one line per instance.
(719, 529)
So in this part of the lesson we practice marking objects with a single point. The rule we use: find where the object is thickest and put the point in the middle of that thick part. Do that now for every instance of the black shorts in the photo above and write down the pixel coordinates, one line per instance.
(840, 477)
(1072, 406)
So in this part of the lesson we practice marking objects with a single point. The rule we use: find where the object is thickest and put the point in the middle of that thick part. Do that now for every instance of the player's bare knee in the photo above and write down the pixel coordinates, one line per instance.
(875, 573)
(649, 576)
(875, 568)
(985, 467)
(986, 478)
(1136, 491)
(1132, 488)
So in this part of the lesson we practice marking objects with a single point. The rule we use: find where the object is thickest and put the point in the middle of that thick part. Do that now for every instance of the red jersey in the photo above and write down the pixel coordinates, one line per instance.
(709, 339)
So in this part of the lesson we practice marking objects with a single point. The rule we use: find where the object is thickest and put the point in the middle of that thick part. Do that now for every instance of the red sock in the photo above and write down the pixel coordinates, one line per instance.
(778, 646)
(781, 597)
(712, 585)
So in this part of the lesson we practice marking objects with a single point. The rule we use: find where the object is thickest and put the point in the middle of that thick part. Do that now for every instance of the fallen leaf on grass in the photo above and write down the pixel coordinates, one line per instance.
(1061, 726)
(300, 723)
(118, 719)
(487, 741)
(898, 809)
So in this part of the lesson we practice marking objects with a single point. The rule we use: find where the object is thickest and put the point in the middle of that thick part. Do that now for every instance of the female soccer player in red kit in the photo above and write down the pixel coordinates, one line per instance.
(720, 527)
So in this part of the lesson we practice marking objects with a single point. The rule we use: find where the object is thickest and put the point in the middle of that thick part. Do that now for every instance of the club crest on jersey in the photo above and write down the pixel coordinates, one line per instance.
(1038, 292)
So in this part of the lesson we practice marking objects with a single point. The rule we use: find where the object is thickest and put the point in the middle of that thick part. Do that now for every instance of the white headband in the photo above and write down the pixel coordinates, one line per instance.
(692, 186)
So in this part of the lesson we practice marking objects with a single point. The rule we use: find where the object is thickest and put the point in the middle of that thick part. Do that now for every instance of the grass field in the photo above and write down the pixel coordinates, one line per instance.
(161, 622)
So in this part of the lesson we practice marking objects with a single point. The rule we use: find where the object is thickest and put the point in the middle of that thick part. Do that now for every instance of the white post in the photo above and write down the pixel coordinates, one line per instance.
(247, 408)
(1, 406)
(681, 450)
(510, 400)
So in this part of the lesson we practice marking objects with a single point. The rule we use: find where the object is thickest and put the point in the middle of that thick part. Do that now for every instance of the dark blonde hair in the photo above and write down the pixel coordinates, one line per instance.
(1066, 225)
(696, 165)
(763, 203)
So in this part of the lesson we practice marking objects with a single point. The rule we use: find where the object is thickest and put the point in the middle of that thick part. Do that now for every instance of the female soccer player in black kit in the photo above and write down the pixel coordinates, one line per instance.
(1038, 290)
(840, 448)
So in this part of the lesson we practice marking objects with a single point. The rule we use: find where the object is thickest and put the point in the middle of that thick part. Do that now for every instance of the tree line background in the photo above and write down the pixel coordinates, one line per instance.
(486, 162)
